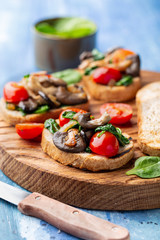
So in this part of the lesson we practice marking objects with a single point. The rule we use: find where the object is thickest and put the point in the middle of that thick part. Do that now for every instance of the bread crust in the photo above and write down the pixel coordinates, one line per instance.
(89, 161)
(14, 117)
(148, 105)
(111, 93)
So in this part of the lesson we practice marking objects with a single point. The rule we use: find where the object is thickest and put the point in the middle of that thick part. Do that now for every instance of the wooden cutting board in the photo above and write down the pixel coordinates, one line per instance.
(25, 163)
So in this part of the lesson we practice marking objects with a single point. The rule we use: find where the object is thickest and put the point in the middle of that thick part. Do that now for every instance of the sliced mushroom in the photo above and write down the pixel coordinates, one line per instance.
(85, 121)
(50, 99)
(28, 105)
(134, 68)
(87, 135)
(70, 141)
(85, 55)
(46, 98)
(71, 97)
(50, 81)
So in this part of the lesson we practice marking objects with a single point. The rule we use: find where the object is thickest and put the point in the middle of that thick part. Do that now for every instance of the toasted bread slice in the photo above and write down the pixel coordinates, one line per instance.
(148, 104)
(89, 161)
(14, 117)
(111, 93)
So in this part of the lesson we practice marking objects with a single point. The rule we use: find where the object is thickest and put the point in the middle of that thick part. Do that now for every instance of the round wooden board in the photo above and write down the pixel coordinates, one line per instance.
(26, 164)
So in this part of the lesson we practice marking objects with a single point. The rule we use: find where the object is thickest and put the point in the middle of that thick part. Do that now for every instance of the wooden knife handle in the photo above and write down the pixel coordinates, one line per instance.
(70, 219)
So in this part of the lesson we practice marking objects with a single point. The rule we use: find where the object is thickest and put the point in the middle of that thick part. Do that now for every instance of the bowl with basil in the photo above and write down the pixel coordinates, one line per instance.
(58, 42)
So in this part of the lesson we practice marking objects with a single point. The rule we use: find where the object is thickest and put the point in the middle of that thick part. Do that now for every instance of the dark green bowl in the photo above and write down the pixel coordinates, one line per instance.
(53, 53)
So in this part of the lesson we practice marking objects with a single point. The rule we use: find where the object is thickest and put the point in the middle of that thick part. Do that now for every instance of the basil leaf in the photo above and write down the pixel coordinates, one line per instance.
(70, 76)
(125, 81)
(42, 109)
(146, 167)
(68, 114)
(51, 125)
(97, 55)
(89, 70)
(115, 131)
(26, 76)
(88, 150)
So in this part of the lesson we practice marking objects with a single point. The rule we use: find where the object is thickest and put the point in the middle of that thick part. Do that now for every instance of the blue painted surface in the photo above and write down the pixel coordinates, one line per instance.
(130, 23)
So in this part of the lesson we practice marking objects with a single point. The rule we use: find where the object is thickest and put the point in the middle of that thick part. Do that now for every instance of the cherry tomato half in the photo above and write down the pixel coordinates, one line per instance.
(29, 130)
(14, 92)
(103, 75)
(120, 113)
(63, 121)
(106, 145)
(121, 54)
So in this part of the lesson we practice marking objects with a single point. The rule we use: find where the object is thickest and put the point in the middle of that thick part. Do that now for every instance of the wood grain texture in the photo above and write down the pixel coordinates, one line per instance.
(26, 164)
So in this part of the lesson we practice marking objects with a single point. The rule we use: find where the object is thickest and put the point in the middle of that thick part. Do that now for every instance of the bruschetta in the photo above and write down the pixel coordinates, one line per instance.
(39, 96)
(111, 77)
(86, 143)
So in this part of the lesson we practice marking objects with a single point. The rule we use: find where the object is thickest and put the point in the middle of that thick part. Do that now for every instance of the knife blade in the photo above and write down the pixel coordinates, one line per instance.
(66, 218)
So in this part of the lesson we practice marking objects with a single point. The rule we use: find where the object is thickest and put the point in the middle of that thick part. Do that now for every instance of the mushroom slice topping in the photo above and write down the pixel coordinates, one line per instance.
(134, 68)
(50, 81)
(68, 97)
(85, 121)
(85, 55)
(28, 105)
(50, 99)
(70, 141)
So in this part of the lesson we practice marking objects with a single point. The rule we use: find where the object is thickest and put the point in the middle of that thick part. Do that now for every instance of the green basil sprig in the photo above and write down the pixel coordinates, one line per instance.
(89, 70)
(146, 167)
(68, 114)
(26, 76)
(115, 131)
(97, 55)
(42, 109)
(51, 125)
(125, 81)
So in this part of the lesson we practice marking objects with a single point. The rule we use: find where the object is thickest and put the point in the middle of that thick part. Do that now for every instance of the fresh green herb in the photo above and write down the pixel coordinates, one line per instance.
(115, 131)
(51, 125)
(42, 109)
(70, 76)
(88, 150)
(146, 167)
(89, 70)
(26, 76)
(68, 114)
(110, 61)
(125, 81)
(79, 128)
(91, 117)
(100, 134)
(97, 55)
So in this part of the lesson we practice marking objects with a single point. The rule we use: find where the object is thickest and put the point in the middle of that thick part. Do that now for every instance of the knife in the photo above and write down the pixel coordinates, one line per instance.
(66, 218)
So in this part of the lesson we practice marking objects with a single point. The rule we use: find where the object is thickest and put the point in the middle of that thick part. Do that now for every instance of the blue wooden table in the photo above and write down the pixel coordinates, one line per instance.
(131, 23)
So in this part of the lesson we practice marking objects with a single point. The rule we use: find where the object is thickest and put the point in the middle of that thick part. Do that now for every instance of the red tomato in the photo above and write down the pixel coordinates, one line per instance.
(107, 144)
(121, 54)
(14, 92)
(120, 113)
(63, 121)
(29, 130)
(103, 75)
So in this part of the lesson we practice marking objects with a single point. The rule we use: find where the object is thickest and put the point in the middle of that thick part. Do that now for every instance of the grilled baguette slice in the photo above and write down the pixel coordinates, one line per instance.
(89, 161)
(148, 104)
(111, 93)
(14, 117)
